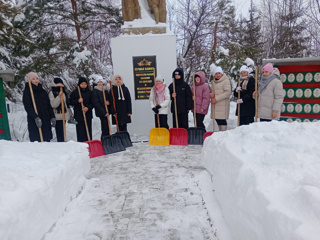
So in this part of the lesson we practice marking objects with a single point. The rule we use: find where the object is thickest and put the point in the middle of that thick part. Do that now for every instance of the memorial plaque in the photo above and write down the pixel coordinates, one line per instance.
(144, 69)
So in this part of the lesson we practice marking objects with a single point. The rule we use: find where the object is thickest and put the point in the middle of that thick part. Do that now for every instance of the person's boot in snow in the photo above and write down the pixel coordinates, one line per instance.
(72, 120)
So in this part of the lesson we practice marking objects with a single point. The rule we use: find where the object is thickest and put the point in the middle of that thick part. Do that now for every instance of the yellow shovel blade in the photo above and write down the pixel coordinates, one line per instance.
(159, 136)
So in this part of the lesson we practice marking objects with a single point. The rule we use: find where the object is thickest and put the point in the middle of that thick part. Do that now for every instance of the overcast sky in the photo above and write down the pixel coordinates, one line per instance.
(242, 6)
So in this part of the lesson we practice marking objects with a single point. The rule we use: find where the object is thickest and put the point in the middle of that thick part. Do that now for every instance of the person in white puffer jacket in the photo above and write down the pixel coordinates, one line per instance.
(163, 100)
(270, 94)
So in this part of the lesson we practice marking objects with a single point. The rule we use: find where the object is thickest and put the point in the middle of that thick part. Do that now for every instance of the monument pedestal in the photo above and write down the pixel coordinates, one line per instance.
(127, 47)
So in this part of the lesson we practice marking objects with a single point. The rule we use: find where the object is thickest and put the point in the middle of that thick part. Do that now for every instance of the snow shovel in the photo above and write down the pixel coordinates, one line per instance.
(63, 117)
(111, 143)
(256, 99)
(238, 103)
(35, 108)
(195, 134)
(95, 146)
(124, 135)
(158, 136)
(178, 136)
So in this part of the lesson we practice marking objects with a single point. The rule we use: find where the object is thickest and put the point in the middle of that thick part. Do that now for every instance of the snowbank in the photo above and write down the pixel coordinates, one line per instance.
(37, 181)
(266, 179)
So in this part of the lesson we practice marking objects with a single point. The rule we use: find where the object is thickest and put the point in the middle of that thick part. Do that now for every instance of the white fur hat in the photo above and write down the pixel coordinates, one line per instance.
(244, 68)
(159, 78)
(218, 70)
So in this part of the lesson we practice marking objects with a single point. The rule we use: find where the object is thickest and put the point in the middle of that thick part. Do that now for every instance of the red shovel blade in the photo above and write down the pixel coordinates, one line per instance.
(178, 136)
(207, 134)
(95, 148)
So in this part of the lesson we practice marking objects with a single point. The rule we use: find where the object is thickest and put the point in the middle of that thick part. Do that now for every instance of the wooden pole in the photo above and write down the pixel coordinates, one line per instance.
(114, 106)
(63, 116)
(175, 103)
(238, 103)
(256, 98)
(104, 98)
(84, 116)
(35, 108)
(194, 103)
(155, 95)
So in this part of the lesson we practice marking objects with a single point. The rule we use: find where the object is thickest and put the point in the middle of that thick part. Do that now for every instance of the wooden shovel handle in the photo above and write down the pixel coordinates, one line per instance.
(84, 116)
(35, 108)
(63, 117)
(104, 99)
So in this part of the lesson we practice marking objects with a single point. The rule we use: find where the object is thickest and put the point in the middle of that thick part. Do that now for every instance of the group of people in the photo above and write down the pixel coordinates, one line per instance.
(44, 111)
(197, 99)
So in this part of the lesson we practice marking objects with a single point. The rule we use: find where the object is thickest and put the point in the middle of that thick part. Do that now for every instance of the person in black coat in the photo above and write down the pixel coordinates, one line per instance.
(75, 101)
(183, 97)
(100, 106)
(122, 100)
(45, 118)
(246, 101)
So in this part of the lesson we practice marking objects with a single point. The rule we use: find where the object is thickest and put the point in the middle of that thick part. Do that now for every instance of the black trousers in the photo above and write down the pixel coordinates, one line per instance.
(163, 119)
(81, 130)
(104, 127)
(200, 118)
(59, 131)
(265, 120)
(221, 122)
(123, 127)
(246, 120)
(182, 120)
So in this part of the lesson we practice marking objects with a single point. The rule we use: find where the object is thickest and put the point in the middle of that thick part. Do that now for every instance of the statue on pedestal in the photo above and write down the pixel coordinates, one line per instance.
(159, 10)
(131, 10)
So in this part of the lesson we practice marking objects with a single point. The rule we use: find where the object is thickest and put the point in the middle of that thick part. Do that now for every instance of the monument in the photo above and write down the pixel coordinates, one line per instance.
(145, 47)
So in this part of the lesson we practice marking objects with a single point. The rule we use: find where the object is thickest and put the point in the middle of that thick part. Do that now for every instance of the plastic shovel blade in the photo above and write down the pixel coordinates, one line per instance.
(195, 135)
(159, 137)
(125, 138)
(95, 148)
(112, 144)
(207, 134)
(178, 136)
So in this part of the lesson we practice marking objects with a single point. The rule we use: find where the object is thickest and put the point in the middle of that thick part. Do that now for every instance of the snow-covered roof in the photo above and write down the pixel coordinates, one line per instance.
(293, 61)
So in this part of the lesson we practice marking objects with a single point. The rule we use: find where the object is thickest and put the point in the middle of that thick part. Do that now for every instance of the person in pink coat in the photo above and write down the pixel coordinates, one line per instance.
(202, 97)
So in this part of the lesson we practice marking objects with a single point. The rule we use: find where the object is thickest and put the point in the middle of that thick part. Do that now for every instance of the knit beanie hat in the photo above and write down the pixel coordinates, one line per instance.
(159, 78)
(31, 75)
(178, 71)
(244, 68)
(99, 79)
(57, 80)
(218, 70)
(81, 80)
(268, 67)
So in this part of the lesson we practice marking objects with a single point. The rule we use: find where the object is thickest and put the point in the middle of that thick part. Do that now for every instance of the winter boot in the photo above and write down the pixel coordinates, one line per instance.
(223, 128)
(72, 120)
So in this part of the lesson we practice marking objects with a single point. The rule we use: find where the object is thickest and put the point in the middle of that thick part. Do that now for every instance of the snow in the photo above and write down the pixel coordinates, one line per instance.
(37, 182)
(81, 57)
(249, 62)
(223, 51)
(266, 179)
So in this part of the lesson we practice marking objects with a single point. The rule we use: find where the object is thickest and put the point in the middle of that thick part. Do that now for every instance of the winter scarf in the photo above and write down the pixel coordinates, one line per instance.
(55, 92)
(262, 85)
(160, 89)
(244, 82)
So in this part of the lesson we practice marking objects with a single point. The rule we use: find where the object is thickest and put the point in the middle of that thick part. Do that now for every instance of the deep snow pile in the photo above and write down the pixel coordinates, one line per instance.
(266, 179)
(37, 181)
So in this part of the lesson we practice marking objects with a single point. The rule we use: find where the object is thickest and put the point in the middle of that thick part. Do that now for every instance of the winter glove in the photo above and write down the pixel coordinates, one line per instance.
(38, 122)
(239, 100)
(158, 106)
(238, 89)
(53, 122)
(155, 109)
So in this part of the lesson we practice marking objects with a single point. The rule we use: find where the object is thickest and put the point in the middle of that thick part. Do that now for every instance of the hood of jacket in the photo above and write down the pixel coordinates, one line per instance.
(114, 79)
(180, 71)
(202, 76)
(224, 77)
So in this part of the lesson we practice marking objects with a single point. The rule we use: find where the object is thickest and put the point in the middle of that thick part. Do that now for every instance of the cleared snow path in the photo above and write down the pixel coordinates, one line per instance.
(146, 192)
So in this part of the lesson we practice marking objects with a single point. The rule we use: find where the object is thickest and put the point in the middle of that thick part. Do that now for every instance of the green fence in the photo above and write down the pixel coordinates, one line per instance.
(4, 123)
